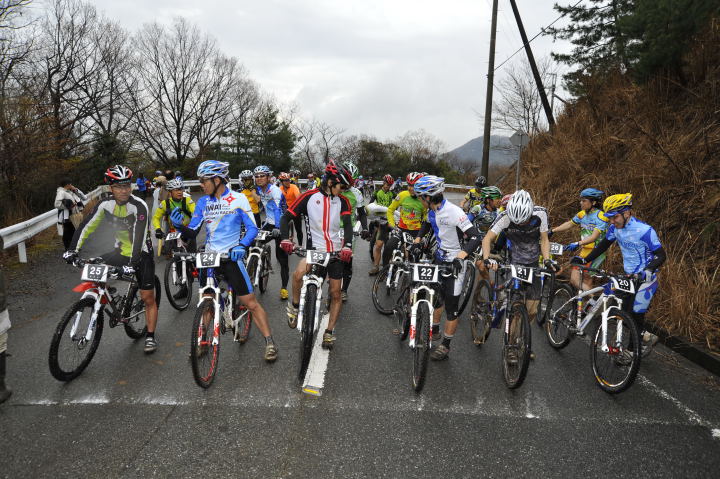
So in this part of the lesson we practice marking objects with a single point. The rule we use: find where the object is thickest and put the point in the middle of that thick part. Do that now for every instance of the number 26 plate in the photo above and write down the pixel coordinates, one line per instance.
(95, 272)
(556, 249)
(318, 257)
(207, 260)
(425, 273)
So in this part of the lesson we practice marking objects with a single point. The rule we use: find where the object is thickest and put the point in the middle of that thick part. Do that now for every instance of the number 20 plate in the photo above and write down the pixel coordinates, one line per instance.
(522, 273)
(318, 257)
(622, 284)
(207, 260)
(95, 272)
(425, 273)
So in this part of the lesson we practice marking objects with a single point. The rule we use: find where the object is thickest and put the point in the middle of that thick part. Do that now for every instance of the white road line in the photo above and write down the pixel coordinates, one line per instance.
(315, 375)
(692, 416)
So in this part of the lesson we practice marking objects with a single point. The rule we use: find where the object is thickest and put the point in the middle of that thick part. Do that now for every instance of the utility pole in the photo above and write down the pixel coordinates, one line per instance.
(489, 94)
(533, 66)
(552, 93)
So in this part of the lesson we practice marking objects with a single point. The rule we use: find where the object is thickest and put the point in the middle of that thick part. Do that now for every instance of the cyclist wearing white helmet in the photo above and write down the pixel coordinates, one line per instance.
(229, 228)
(177, 199)
(526, 227)
(448, 223)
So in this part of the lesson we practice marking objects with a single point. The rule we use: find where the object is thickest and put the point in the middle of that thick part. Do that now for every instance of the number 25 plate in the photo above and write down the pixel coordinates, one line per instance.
(318, 257)
(207, 260)
(425, 273)
(95, 272)
(522, 273)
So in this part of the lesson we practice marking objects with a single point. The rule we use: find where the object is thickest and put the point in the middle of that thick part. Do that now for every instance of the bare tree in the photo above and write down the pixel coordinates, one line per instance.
(519, 106)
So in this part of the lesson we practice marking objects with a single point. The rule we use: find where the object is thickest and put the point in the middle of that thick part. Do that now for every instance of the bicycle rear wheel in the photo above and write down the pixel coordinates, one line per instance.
(70, 350)
(402, 315)
(615, 370)
(204, 355)
(482, 314)
(244, 323)
(136, 326)
(175, 286)
(560, 317)
(308, 329)
(384, 297)
(422, 346)
(467, 286)
(516, 348)
(264, 266)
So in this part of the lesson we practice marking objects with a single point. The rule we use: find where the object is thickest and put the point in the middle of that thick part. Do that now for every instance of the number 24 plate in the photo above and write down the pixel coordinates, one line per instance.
(95, 272)
(207, 260)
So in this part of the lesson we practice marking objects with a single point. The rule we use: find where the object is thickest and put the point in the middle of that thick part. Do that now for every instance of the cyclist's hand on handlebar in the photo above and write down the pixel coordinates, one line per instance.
(365, 234)
(128, 270)
(457, 266)
(70, 256)
(237, 253)
(572, 246)
(346, 254)
(552, 264)
(159, 233)
(287, 246)
(491, 264)
(577, 260)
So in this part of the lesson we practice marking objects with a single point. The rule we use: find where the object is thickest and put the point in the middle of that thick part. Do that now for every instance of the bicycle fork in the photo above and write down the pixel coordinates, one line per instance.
(413, 311)
(97, 294)
(312, 279)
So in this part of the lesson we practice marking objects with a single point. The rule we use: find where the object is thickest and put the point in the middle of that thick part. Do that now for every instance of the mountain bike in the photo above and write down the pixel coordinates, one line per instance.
(506, 301)
(547, 287)
(214, 317)
(614, 341)
(389, 281)
(180, 273)
(414, 311)
(257, 262)
(77, 335)
(311, 306)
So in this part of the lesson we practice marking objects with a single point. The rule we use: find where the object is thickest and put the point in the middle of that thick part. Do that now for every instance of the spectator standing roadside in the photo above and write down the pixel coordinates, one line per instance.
(69, 203)
(4, 326)
(142, 186)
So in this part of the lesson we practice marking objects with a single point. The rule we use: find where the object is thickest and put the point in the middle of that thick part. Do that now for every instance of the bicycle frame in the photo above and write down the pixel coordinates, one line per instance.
(213, 291)
(256, 251)
(311, 277)
(416, 301)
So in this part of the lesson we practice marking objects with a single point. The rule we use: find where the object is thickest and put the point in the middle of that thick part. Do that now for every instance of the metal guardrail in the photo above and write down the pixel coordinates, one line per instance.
(21, 232)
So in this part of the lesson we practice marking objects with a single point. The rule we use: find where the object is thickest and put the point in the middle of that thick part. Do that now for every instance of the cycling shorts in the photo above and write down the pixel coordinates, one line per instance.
(450, 289)
(235, 275)
(144, 267)
(334, 269)
(383, 232)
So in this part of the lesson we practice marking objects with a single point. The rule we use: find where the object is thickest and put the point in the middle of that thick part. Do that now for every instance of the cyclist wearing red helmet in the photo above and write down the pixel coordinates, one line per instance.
(412, 213)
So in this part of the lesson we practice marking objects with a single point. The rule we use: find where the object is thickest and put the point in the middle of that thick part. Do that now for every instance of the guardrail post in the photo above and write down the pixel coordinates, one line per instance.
(22, 253)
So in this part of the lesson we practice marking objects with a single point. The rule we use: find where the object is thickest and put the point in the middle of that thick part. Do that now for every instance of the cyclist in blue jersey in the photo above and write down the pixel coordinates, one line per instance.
(449, 224)
(275, 205)
(226, 214)
(642, 256)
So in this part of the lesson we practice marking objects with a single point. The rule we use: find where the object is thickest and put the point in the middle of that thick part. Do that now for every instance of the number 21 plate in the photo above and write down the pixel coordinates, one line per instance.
(523, 273)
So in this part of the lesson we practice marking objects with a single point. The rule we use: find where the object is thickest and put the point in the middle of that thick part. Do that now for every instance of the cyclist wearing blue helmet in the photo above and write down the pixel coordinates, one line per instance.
(593, 225)
(229, 228)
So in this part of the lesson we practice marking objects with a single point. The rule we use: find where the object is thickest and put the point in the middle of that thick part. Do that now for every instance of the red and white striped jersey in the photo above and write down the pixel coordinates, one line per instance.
(322, 216)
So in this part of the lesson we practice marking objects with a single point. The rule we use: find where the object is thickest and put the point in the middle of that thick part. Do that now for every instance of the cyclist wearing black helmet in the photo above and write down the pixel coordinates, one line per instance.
(474, 197)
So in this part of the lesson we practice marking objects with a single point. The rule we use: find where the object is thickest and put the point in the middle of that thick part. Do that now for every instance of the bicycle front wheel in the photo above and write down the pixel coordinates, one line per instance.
(204, 355)
(308, 329)
(175, 286)
(70, 349)
(264, 269)
(251, 269)
(561, 316)
(422, 346)
(467, 286)
(136, 325)
(516, 349)
(385, 296)
(615, 369)
(482, 314)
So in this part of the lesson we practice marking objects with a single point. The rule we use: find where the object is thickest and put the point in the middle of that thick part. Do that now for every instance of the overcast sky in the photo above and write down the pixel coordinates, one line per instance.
(379, 67)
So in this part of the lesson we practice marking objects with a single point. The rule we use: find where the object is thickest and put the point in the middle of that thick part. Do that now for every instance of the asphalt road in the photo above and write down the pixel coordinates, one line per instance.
(133, 415)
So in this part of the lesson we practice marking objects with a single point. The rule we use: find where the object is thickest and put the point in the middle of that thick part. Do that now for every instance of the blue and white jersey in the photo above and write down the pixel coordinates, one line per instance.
(637, 242)
(448, 223)
(274, 202)
(224, 220)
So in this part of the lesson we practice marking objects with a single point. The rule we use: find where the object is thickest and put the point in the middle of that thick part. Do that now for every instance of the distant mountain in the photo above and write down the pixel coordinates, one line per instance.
(502, 153)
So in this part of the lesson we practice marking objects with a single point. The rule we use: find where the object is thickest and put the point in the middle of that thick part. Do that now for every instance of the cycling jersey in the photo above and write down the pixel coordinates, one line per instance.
(473, 198)
(129, 222)
(412, 211)
(637, 242)
(274, 203)
(383, 198)
(448, 223)
(356, 200)
(589, 222)
(248, 192)
(186, 205)
(322, 213)
(224, 221)
(524, 239)
(291, 194)
(482, 217)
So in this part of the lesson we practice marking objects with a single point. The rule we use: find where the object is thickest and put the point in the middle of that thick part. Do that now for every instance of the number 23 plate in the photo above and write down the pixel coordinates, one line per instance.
(318, 257)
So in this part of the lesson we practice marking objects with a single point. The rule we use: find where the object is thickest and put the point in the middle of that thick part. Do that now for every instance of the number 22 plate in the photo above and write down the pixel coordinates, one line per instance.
(207, 260)
(95, 272)
(425, 273)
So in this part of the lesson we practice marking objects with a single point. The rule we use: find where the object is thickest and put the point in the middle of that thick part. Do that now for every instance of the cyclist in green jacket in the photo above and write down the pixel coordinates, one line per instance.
(382, 198)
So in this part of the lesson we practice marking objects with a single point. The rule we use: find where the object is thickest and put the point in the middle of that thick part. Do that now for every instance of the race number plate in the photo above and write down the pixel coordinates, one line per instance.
(408, 238)
(262, 235)
(556, 249)
(207, 260)
(172, 236)
(523, 273)
(318, 257)
(425, 273)
(623, 284)
(96, 273)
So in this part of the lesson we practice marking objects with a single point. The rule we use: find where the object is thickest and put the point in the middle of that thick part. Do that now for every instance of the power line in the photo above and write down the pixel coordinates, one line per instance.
(542, 30)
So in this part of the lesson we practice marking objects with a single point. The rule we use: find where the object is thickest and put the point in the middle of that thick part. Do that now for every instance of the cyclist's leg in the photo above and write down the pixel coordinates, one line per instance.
(347, 275)
(641, 302)
(335, 273)
(390, 245)
(381, 238)
(282, 258)
(145, 272)
(532, 297)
